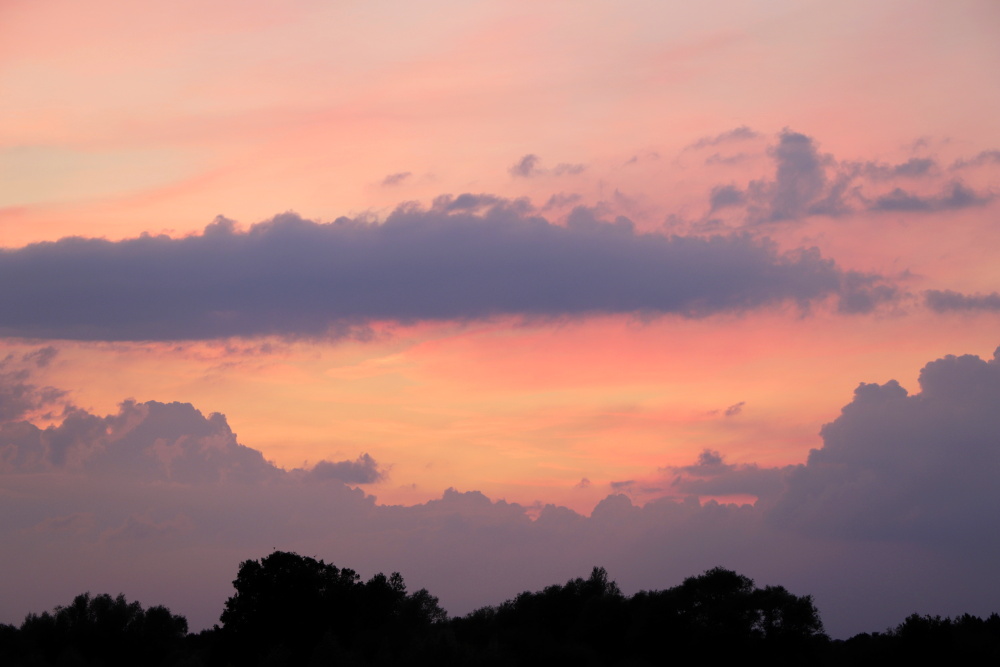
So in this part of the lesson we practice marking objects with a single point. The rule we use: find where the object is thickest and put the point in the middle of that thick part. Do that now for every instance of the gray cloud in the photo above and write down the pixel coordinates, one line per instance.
(741, 133)
(942, 301)
(570, 169)
(982, 158)
(912, 168)
(799, 183)
(396, 179)
(363, 470)
(955, 196)
(18, 395)
(920, 467)
(877, 524)
(152, 441)
(526, 167)
(723, 196)
(710, 475)
(808, 183)
(562, 199)
(473, 256)
(734, 409)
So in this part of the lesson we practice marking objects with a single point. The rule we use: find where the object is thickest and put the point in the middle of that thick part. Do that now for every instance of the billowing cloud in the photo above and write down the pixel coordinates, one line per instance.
(948, 300)
(710, 475)
(920, 466)
(903, 484)
(472, 256)
(799, 187)
(363, 470)
(807, 183)
(169, 442)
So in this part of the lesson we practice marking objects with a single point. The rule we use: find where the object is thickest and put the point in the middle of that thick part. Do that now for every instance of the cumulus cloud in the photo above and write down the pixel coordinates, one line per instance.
(903, 484)
(799, 183)
(920, 466)
(151, 441)
(471, 256)
(955, 196)
(710, 475)
(363, 470)
(807, 182)
(942, 301)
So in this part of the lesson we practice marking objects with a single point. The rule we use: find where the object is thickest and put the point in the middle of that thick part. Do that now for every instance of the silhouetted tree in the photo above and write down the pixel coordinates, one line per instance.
(288, 606)
(103, 630)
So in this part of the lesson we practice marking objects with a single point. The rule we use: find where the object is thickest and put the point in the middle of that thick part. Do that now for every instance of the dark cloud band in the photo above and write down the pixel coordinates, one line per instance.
(290, 276)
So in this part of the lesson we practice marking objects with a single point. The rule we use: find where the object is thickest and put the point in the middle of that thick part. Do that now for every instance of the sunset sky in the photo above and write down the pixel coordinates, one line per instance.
(490, 292)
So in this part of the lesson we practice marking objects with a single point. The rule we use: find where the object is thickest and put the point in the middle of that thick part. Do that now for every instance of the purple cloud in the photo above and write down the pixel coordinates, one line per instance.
(526, 167)
(894, 514)
(472, 256)
(396, 179)
(363, 470)
(942, 301)
(920, 466)
(741, 133)
(955, 196)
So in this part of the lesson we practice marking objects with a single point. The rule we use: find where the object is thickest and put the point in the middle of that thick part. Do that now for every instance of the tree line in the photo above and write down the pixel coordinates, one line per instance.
(289, 609)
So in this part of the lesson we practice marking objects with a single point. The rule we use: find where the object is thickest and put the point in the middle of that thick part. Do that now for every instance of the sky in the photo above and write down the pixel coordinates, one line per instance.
(492, 292)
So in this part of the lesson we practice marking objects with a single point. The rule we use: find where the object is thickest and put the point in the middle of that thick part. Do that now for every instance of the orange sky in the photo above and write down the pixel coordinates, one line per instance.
(121, 119)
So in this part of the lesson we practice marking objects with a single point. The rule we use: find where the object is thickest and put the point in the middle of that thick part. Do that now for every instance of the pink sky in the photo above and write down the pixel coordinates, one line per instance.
(842, 160)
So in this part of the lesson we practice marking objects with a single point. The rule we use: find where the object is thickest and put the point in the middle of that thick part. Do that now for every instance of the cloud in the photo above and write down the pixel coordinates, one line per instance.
(472, 256)
(895, 465)
(983, 158)
(152, 441)
(896, 509)
(955, 196)
(363, 470)
(561, 199)
(735, 409)
(723, 196)
(18, 396)
(741, 133)
(710, 475)
(912, 168)
(395, 179)
(570, 169)
(800, 179)
(807, 183)
(525, 167)
(942, 301)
